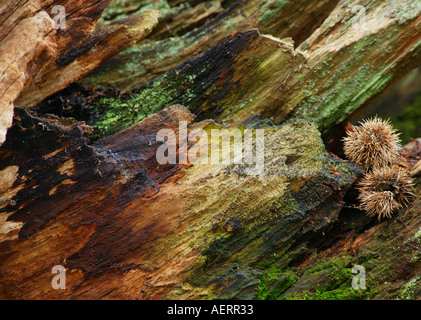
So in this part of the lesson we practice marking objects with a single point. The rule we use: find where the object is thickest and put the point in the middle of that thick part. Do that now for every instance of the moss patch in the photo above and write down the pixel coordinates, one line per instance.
(274, 283)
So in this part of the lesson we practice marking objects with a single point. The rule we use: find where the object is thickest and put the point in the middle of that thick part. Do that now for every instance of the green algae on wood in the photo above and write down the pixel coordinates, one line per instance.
(216, 82)
(189, 230)
(247, 73)
(176, 18)
(144, 62)
(268, 208)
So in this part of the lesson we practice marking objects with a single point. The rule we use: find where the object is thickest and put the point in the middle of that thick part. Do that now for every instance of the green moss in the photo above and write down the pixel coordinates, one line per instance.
(273, 284)
(118, 114)
(338, 294)
(408, 291)
(336, 265)
(327, 279)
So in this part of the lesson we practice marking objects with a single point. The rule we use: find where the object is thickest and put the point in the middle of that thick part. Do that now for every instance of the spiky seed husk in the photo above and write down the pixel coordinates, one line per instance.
(372, 144)
(381, 204)
(385, 190)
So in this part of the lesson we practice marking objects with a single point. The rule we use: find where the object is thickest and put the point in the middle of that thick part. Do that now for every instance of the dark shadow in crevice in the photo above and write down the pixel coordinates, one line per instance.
(351, 221)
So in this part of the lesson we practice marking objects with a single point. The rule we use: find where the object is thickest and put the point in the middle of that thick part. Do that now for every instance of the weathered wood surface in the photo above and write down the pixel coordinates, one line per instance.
(338, 70)
(38, 58)
(177, 17)
(29, 43)
(89, 54)
(126, 227)
(142, 63)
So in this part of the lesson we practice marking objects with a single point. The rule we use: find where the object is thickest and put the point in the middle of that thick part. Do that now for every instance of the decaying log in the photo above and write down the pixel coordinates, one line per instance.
(126, 227)
(29, 43)
(90, 53)
(140, 64)
(177, 17)
(331, 75)
(34, 50)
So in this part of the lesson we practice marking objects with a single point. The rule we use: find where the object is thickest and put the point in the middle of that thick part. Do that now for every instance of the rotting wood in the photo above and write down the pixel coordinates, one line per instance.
(128, 228)
(92, 51)
(117, 220)
(144, 62)
(335, 72)
(29, 43)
